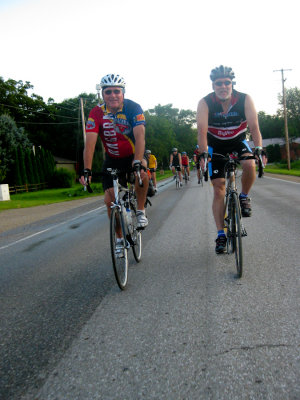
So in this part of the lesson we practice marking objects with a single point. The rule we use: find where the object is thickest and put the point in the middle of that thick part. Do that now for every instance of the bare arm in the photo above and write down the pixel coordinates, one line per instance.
(139, 135)
(88, 153)
(252, 120)
(179, 158)
(202, 125)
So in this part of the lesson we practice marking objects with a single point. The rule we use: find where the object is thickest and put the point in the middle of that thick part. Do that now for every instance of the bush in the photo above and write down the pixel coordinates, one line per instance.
(62, 178)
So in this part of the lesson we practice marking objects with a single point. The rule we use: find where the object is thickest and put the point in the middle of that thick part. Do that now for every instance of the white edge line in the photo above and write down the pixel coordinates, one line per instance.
(49, 229)
(279, 179)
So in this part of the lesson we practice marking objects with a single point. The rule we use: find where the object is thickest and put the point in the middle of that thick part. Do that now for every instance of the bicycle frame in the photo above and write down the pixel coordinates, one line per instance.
(230, 170)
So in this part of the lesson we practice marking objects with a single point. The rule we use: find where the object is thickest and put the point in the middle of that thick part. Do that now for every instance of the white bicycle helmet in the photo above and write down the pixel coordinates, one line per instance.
(221, 72)
(148, 151)
(112, 80)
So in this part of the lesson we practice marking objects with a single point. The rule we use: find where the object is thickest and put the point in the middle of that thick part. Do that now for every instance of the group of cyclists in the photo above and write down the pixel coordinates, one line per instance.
(223, 117)
(181, 163)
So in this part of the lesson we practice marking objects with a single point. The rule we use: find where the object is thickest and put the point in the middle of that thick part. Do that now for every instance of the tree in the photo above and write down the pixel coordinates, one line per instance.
(29, 167)
(10, 137)
(273, 153)
(22, 166)
(270, 126)
(16, 177)
(168, 127)
(292, 109)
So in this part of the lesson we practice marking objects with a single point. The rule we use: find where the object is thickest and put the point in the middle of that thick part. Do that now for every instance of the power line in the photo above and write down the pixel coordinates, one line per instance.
(36, 111)
(47, 123)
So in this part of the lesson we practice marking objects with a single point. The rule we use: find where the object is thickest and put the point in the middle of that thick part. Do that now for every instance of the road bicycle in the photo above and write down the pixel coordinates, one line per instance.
(185, 175)
(233, 223)
(123, 220)
(201, 177)
(177, 180)
(124, 232)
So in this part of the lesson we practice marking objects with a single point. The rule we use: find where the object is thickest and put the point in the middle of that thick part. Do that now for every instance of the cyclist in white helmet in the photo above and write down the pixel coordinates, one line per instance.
(120, 123)
(222, 120)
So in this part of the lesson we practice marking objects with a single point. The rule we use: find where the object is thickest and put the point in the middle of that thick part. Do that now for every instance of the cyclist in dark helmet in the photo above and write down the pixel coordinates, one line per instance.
(222, 120)
(176, 164)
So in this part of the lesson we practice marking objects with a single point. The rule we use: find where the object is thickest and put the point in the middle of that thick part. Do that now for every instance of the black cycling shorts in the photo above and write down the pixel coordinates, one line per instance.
(177, 167)
(124, 165)
(216, 167)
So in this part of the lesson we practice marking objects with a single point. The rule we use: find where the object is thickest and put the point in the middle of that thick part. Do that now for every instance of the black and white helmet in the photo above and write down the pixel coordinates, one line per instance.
(112, 80)
(221, 72)
(174, 149)
(148, 151)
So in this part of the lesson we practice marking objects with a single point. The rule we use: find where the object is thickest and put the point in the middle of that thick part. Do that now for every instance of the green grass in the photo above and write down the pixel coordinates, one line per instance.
(50, 196)
(282, 169)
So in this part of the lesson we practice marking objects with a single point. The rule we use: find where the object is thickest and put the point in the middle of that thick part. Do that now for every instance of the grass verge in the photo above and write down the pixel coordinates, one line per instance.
(282, 169)
(50, 196)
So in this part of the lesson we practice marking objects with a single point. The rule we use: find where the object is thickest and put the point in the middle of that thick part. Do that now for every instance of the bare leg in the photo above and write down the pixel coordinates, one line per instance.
(153, 176)
(141, 191)
(249, 175)
(218, 202)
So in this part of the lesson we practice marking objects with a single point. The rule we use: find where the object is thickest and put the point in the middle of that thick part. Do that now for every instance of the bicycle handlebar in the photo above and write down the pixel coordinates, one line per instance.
(260, 167)
(234, 157)
(138, 173)
(115, 172)
(87, 186)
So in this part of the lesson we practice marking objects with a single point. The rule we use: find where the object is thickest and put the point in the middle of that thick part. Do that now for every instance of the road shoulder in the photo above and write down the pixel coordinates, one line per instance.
(11, 219)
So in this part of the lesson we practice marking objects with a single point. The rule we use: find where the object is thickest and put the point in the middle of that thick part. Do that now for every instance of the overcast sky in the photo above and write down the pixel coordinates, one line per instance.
(165, 49)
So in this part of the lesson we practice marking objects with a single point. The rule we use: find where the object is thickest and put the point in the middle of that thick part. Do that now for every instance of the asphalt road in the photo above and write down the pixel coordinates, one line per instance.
(185, 328)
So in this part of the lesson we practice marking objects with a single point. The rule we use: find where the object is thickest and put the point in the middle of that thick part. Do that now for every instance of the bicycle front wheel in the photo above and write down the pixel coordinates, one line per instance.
(119, 252)
(237, 234)
(201, 177)
(136, 237)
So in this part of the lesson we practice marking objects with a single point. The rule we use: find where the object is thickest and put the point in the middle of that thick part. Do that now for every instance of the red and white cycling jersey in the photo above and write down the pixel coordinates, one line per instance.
(116, 130)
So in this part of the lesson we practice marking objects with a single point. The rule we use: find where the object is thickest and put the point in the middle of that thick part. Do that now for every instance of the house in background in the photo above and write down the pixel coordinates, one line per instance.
(70, 165)
(294, 146)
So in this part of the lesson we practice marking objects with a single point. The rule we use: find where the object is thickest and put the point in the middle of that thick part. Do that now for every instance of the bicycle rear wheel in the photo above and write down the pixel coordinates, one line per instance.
(136, 237)
(237, 234)
(119, 253)
(185, 176)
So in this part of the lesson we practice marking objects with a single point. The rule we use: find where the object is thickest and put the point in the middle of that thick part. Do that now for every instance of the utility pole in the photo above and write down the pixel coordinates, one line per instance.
(82, 121)
(98, 88)
(287, 144)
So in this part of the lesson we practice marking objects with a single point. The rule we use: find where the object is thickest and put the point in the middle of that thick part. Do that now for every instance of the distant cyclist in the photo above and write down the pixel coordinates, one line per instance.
(185, 163)
(175, 163)
(120, 123)
(222, 120)
(197, 161)
(152, 165)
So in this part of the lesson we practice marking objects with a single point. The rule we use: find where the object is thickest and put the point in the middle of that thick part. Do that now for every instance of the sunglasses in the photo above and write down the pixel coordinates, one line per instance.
(114, 91)
(226, 83)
